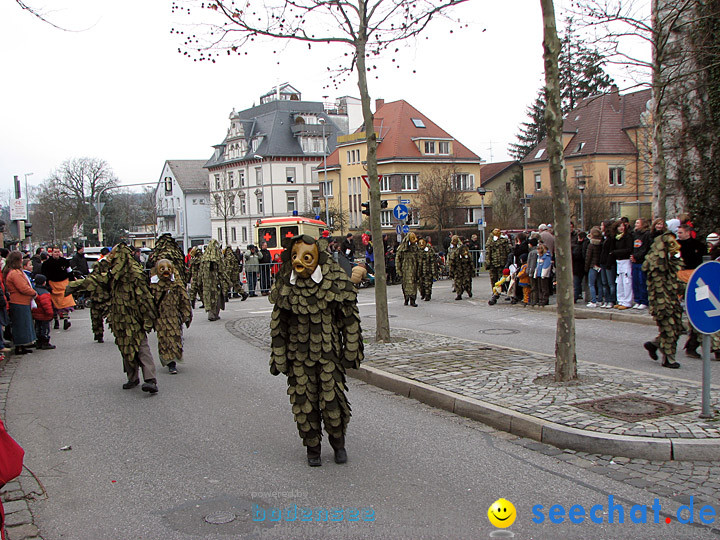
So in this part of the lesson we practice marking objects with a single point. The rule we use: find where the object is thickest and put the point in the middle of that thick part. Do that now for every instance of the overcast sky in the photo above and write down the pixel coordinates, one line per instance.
(119, 90)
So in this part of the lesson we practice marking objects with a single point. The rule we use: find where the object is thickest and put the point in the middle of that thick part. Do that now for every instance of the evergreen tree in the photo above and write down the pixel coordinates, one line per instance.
(581, 75)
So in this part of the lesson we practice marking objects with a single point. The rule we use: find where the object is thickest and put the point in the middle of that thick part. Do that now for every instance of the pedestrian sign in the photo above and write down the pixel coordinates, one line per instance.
(400, 212)
(405, 229)
(702, 298)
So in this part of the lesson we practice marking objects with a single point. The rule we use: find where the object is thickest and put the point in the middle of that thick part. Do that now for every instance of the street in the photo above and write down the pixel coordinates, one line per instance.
(220, 438)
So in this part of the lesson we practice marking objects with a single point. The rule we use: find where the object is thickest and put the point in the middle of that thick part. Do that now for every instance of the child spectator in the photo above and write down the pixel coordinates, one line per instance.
(542, 273)
(43, 313)
(592, 266)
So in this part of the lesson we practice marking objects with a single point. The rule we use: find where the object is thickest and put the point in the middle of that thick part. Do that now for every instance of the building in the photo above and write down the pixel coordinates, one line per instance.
(182, 202)
(606, 141)
(410, 147)
(264, 166)
(142, 236)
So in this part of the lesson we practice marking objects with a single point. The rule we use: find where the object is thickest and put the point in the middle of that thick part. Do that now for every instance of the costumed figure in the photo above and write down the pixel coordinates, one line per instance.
(58, 271)
(407, 264)
(233, 275)
(462, 270)
(194, 276)
(213, 281)
(316, 337)
(173, 310)
(167, 248)
(662, 264)
(131, 315)
(428, 268)
(497, 249)
(95, 286)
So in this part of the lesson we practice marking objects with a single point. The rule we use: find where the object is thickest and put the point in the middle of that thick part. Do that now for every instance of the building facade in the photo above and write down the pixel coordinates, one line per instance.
(182, 200)
(264, 166)
(410, 147)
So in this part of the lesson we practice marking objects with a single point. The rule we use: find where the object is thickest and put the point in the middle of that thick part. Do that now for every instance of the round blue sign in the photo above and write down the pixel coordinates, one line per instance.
(702, 298)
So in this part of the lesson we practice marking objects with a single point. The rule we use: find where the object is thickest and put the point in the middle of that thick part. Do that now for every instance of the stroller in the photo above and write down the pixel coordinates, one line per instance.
(505, 286)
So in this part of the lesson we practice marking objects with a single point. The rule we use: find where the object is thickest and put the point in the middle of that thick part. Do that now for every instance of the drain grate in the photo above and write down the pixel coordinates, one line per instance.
(632, 407)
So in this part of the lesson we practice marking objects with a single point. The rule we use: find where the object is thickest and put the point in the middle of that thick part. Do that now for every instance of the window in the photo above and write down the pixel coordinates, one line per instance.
(244, 234)
(168, 185)
(414, 217)
(231, 180)
(291, 202)
(219, 230)
(386, 218)
(290, 174)
(409, 182)
(234, 234)
(385, 183)
(444, 147)
(260, 204)
(464, 182)
(349, 159)
(194, 201)
(217, 181)
(241, 178)
(231, 206)
(540, 153)
(538, 182)
(429, 147)
(258, 176)
(579, 147)
(616, 176)
(315, 198)
(508, 187)
(327, 188)
(418, 123)
(470, 215)
(243, 205)
(255, 144)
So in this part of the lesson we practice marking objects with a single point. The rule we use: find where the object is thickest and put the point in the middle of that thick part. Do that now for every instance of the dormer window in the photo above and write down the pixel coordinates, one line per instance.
(418, 123)
(429, 147)
(443, 147)
(540, 153)
(580, 146)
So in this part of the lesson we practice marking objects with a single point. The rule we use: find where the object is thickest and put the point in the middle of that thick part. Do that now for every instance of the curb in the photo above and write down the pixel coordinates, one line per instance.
(540, 430)
(607, 315)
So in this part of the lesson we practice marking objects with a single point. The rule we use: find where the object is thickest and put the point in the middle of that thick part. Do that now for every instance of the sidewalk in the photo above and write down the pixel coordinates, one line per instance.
(614, 411)
(15, 495)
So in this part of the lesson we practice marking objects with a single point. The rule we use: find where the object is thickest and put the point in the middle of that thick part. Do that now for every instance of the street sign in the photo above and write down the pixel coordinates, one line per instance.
(404, 201)
(18, 210)
(400, 212)
(405, 229)
(702, 298)
(399, 229)
(481, 224)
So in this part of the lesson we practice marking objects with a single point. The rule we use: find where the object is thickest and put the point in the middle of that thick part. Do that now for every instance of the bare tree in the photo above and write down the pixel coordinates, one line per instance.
(367, 28)
(437, 199)
(224, 203)
(565, 359)
(507, 212)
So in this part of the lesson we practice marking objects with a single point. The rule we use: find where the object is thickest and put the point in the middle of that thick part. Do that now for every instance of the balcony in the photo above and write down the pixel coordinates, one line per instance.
(309, 130)
(166, 212)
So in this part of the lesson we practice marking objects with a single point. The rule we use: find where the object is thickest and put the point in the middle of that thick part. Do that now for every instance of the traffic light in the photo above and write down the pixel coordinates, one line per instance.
(383, 204)
(366, 208)
(28, 232)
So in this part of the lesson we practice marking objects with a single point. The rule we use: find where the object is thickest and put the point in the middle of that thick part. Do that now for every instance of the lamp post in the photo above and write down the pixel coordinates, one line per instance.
(525, 201)
(482, 192)
(581, 183)
(52, 217)
(325, 187)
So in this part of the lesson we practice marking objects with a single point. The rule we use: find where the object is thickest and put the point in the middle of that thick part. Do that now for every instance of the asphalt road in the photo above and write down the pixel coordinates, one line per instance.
(219, 437)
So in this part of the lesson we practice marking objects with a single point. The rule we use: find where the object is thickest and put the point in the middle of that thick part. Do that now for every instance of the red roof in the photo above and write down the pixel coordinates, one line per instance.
(396, 131)
(491, 170)
(599, 124)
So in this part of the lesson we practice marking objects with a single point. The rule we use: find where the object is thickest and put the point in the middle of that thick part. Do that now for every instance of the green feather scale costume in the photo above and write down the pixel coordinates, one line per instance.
(173, 310)
(213, 280)
(407, 264)
(462, 270)
(316, 337)
(167, 248)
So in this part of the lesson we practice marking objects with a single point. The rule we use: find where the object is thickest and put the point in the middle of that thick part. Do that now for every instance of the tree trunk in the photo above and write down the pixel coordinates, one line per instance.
(565, 360)
(382, 322)
(659, 199)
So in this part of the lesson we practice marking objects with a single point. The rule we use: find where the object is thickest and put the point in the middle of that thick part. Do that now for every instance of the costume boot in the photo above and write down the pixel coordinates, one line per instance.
(691, 346)
(459, 296)
(412, 302)
(313, 456)
(669, 362)
(99, 338)
(427, 297)
(407, 299)
(150, 385)
(338, 445)
(651, 347)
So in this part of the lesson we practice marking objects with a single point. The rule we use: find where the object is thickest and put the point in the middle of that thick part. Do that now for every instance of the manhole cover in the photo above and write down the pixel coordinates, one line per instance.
(632, 407)
(499, 331)
(373, 316)
(218, 518)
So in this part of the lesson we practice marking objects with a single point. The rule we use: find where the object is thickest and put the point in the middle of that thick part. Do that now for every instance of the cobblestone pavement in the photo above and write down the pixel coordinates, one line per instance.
(15, 495)
(516, 380)
(503, 368)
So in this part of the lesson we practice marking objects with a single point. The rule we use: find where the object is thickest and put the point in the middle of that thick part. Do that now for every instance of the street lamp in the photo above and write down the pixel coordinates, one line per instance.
(525, 201)
(482, 192)
(325, 186)
(581, 184)
(52, 217)
(27, 210)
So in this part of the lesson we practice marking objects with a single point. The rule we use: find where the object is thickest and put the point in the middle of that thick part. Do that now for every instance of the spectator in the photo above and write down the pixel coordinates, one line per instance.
(713, 244)
(252, 267)
(348, 247)
(592, 266)
(447, 241)
(658, 228)
(37, 260)
(27, 268)
(621, 253)
(43, 313)
(532, 270)
(542, 274)
(78, 262)
(578, 263)
(642, 239)
(265, 263)
(547, 238)
(3, 256)
(58, 273)
(691, 249)
(608, 270)
(4, 317)
(21, 296)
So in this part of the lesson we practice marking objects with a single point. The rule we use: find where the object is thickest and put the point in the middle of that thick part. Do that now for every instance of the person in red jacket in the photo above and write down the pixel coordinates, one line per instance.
(43, 313)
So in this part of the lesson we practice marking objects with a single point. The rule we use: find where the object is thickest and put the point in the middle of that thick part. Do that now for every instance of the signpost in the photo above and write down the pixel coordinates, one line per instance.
(400, 212)
(405, 229)
(702, 303)
(18, 210)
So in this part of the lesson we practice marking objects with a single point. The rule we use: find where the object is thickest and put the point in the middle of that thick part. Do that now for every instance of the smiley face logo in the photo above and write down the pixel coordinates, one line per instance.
(502, 513)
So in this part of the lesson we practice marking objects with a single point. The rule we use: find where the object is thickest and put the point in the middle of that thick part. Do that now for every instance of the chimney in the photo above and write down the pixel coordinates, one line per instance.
(615, 98)
(378, 104)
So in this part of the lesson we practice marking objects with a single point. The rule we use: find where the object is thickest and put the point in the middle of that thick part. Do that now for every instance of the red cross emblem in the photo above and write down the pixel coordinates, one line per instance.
(267, 236)
(289, 235)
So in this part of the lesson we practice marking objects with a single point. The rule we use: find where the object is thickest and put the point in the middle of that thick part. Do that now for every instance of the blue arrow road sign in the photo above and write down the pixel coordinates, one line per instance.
(406, 229)
(399, 229)
(404, 201)
(702, 298)
(400, 212)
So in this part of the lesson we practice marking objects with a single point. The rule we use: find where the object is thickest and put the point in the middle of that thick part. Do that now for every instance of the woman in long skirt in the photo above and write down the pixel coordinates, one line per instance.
(21, 297)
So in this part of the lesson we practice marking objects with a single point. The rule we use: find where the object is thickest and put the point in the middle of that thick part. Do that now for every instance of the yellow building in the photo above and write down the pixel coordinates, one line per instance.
(410, 147)
(606, 141)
